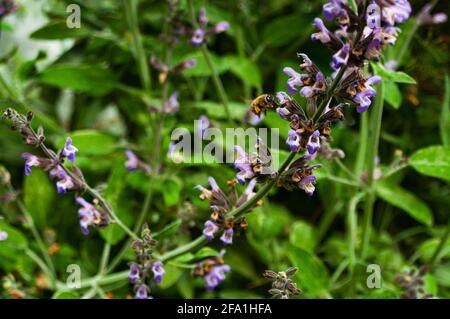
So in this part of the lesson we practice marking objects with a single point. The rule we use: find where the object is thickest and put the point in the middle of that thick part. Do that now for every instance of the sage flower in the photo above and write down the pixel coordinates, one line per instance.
(158, 271)
(69, 150)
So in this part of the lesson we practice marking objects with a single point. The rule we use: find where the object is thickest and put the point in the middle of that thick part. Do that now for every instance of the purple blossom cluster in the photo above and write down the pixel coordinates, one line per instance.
(220, 205)
(145, 265)
(201, 34)
(212, 270)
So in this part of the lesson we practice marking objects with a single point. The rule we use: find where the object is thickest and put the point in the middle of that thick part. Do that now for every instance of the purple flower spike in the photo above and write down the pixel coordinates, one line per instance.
(227, 236)
(293, 140)
(158, 271)
(213, 184)
(334, 8)
(216, 276)
(210, 229)
(69, 150)
(133, 162)
(142, 292)
(30, 161)
(134, 273)
(313, 142)
(363, 98)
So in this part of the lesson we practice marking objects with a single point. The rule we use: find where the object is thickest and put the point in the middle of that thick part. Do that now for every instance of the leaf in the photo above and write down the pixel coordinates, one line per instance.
(90, 79)
(442, 275)
(303, 236)
(444, 123)
(245, 69)
(432, 161)
(394, 76)
(90, 142)
(66, 295)
(392, 94)
(216, 110)
(171, 191)
(403, 199)
(56, 30)
(38, 196)
(240, 263)
(281, 31)
(11, 249)
(201, 68)
(427, 249)
(171, 277)
(312, 275)
(205, 252)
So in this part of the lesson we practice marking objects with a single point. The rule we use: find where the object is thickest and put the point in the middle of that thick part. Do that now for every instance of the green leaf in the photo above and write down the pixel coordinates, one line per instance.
(394, 76)
(392, 94)
(442, 275)
(245, 69)
(39, 193)
(201, 68)
(403, 199)
(427, 249)
(312, 275)
(56, 30)
(205, 252)
(444, 123)
(171, 191)
(281, 31)
(90, 142)
(171, 277)
(433, 161)
(303, 236)
(91, 79)
(240, 263)
(66, 295)
(11, 249)
(216, 110)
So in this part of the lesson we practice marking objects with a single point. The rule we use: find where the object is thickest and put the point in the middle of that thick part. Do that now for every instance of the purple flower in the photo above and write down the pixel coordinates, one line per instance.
(30, 161)
(335, 8)
(3, 235)
(313, 142)
(142, 292)
(363, 98)
(158, 271)
(210, 229)
(293, 140)
(65, 182)
(296, 79)
(133, 162)
(394, 11)
(307, 184)
(318, 86)
(90, 216)
(324, 35)
(198, 37)
(425, 16)
(220, 27)
(69, 150)
(172, 105)
(7, 7)
(242, 163)
(227, 236)
(216, 276)
(340, 58)
(202, 18)
(134, 273)
(203, 123)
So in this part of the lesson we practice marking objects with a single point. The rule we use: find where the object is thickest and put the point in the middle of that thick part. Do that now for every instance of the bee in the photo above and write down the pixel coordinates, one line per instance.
(263, 103)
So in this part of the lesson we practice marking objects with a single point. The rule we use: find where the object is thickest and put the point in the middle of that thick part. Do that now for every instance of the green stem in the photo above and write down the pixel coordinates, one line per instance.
(440, 247)
(363, 141)
(374, 139)
(130, 7)
(217, 83)
(352, 224)
(41, 265)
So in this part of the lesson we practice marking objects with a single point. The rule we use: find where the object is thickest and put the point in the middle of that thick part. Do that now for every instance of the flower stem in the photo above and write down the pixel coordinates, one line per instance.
(440, 247)
(130, 7)
(41, 265)
(217, 83)
(374, 138)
